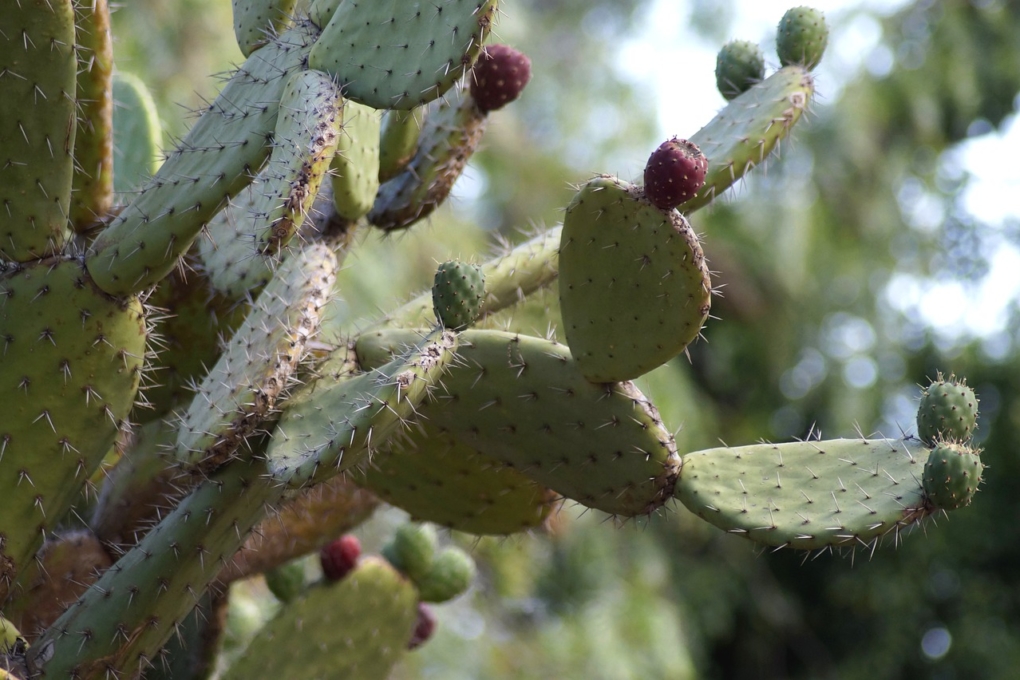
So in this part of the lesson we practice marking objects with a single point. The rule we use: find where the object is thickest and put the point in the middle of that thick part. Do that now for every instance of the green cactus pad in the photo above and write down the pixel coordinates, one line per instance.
(523, 401)
(333, 424)
(450, 575)
(398, 140)
(444, 38)
(356, 629)
(257, 364)
(37, 127)
(802, 37)
(738, 66)
(634, 285)
(92, 185)
(807, 495)
(321, 11)
(355, 170)
(453, 127)
(137, 134)
(287, 581)
(948, 411)
(217, 158)
(73, 356)
(951, 476)
(457, 294)
(744, 133)
(412, 549)
(256, 22)
(242, 240)
(437, 478)
(124, 619)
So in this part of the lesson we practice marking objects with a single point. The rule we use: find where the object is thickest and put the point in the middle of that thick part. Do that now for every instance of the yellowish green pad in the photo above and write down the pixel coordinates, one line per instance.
(436, 478)
(368, 46)
(355, 175)
(242, 388)
(37, 126)
(523, 401)
(744, 133)
(808, 495)
(356, 629)
(137, 134)
(71, 359)
(634, 285)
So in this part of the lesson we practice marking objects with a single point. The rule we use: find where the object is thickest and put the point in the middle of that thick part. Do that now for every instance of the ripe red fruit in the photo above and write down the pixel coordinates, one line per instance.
(499, 77)
(674, 173)
(424, 627)
(339, 557)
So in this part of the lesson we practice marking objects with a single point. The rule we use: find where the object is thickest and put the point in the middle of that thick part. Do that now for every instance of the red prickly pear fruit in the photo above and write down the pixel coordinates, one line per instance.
(499, 77)
(424, 627)
(339, 557)
(674, 173)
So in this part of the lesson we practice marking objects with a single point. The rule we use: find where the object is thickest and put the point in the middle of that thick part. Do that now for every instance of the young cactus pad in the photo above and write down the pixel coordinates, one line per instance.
(634, 285)
(808, 495)
(948, 411)
(355, 169)
(457, 293)
(523, 401)
(951, 476)
(444, 36)
(356, 629)
(73, 355)
(738, 66)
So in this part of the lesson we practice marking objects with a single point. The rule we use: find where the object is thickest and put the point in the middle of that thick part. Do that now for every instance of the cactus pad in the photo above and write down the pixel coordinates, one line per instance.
(951, 476)
(256, 22)
(523, 401)
(634, 285)
(355, 170)
(457, 293)
(948, 411)
(802, 37)
(398, 141)
(738, 66)
(333, 424)
(366, 46)
(137, 133)
(453, 127)
(242, 388)
(37, 127)
(73, 355)
(356, 629)
(437, 478)
(807, 495)
(498, 77)
(744, 133)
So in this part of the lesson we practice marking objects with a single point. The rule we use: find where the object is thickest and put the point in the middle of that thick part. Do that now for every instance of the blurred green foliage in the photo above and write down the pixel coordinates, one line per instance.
(809, 337)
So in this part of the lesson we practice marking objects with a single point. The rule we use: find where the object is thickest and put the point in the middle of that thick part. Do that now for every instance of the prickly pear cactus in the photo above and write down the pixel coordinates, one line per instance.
(457, 293)
(951, 476)
(948, 411)
(802, 37)
(738, 66)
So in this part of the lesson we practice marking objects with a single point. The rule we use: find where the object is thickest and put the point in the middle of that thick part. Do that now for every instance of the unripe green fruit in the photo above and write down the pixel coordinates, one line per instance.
(802, 37)
(286, 581)
(951, 476)
(738, 66)
(948, 411)
(412, 550)
(457, 294)
(451, 574)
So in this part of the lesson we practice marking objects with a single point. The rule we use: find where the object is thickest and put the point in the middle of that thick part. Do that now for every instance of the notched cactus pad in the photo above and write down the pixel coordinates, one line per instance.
(257, 364)
(952, 475)
(634, 285)
(356, 629)
(368, 45)
(808, 495)
(523, 401)
(71, 363)
(948, 411)
(744, 133)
